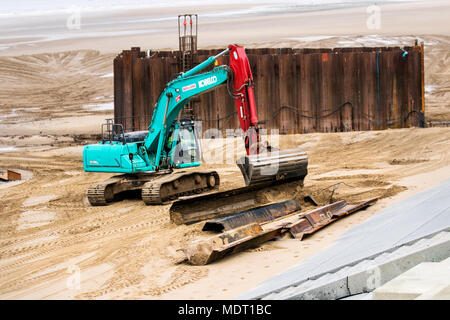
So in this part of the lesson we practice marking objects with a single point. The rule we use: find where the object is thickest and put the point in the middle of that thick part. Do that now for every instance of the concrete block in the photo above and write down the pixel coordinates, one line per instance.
(376, 275)
(403, 250)
(361, 296)
(423, 278)
(361, 266)
(439, 293)
(367, 275)
(286, 293)
(272, 296)
(307, 284)
(343, 271)
(330, 291)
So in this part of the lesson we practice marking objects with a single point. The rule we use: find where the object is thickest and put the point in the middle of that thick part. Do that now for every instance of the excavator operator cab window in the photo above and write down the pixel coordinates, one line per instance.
(186, 150)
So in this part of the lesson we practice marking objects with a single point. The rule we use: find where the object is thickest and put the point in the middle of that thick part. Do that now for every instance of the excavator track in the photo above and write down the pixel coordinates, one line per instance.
(214, 205)
(101, 193)
(156, 188)
(170, 187)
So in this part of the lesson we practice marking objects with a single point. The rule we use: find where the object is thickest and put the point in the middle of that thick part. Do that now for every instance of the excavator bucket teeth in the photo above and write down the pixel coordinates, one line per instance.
(276, 166)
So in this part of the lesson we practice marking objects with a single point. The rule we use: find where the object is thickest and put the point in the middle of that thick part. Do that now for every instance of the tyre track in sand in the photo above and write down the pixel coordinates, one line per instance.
(47, 248)
(75, 238)
(128, 236)
(78, 224)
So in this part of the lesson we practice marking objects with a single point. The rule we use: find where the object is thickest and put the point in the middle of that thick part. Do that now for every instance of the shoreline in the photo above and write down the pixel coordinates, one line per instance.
(157, 28)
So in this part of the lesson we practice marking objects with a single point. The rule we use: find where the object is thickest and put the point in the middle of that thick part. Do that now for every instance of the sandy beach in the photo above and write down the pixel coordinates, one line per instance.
(57, 89)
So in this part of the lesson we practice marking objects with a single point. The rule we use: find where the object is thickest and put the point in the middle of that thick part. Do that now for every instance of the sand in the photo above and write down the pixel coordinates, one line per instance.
(134, 244)
(50, 237)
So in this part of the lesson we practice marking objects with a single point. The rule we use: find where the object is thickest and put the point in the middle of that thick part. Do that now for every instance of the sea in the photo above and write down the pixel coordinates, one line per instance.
(46, 7)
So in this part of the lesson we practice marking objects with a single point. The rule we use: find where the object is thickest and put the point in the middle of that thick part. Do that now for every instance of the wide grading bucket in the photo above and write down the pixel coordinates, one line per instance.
(286, 165)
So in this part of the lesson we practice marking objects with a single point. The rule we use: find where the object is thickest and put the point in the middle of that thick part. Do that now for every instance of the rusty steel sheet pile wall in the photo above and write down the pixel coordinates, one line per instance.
(297, 90)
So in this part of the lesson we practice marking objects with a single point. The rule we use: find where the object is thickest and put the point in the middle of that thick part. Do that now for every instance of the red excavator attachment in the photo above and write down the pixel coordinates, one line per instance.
(257, 167)
(244, 97)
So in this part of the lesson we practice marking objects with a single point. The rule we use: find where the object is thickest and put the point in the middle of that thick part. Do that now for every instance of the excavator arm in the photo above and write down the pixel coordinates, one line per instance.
(150, 155)
(170, 103)
(187, 85)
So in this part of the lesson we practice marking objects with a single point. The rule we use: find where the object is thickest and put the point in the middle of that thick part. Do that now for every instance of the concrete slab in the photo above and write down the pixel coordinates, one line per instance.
(369, 274)
(387, 266)
(438, 293)
(361, 296)
(428, 279)
(422, 215)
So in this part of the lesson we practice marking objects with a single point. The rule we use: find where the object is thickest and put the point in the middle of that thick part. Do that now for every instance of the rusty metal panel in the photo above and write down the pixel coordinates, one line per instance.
(256, 215)
(337, 93)
(262, 89)
(348, 93)
(331, 88)
(352, 208)
(326, 104)
(385, 84)
(318, 218)
(314, 219)
(288, 121)
(146, 99)
(414, 82)
(206, 251)
(358, 102)
(316, 89)
(156, 80)
(411, 73)
(305, 84)
(349, 111)
(127, 102)
(131, 125)
(273, 96)
(367, 65)
(118, 88)
(395, 111)
(10, 175)
(422, 73)
(402, 91)
(138, 93)
(422, 82)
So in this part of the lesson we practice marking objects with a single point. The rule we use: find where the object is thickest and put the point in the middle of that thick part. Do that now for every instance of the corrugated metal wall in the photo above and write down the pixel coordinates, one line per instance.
(297, 90)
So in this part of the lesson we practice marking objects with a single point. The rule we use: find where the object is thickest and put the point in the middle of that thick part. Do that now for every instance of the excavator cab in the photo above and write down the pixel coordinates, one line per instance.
(183, 145)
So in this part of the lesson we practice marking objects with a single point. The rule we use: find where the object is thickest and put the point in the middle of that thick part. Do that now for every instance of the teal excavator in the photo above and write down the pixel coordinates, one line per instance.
(148, 160)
